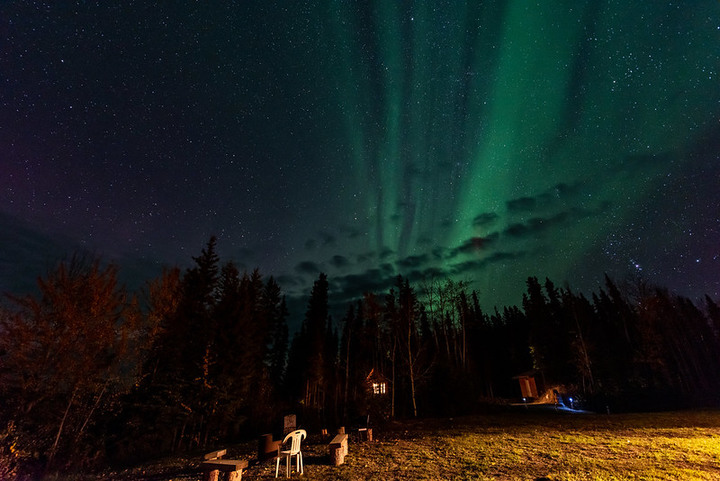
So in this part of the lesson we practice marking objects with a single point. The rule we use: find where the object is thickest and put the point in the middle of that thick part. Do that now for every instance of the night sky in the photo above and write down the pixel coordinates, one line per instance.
(480, 141)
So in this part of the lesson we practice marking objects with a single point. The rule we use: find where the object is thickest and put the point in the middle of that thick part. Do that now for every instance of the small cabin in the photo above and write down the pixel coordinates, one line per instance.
(377, 383)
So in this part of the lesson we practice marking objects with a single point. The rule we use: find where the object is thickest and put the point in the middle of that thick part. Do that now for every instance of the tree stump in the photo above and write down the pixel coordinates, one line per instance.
(338, 449)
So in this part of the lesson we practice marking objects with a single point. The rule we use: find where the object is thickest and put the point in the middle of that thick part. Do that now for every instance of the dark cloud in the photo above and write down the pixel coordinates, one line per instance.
(20, 240)
(353, 286)
(537, 225)
(363, 258)
(385, 253)
(289, 281)
(475, 245)
(350, 232)
(310, 244)
(560, 193)
(307, 267)
(485, 219)
(425, 240)
(516, 229)
(563, 190)
(42, 252)
(387, 268)
(439, 252)
(522, 204)
(327, 238)
(378, 281)
(476, 265)
(413, 262)
(420, 275)
(339, 261)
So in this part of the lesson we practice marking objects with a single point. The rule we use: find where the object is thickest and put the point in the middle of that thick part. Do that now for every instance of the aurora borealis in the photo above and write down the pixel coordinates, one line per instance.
(482, 141)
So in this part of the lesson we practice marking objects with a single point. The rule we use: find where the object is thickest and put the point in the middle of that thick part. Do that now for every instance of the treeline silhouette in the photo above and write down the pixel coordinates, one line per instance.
(91, 375)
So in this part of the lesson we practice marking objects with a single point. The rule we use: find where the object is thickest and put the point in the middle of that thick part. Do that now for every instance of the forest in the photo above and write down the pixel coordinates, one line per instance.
(92, 375)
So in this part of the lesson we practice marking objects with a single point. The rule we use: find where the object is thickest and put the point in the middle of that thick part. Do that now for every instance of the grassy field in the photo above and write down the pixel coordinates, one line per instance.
(519, 445)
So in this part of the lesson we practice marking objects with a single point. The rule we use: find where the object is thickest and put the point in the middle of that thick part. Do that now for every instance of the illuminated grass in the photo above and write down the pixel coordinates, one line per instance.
(558, 447)
(521, 446)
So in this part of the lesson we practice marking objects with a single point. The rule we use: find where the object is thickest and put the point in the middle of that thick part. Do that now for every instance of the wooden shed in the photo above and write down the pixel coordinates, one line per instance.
(529, 384)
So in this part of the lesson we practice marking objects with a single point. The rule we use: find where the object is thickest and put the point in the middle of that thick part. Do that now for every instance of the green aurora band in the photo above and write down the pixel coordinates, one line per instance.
(474, 128)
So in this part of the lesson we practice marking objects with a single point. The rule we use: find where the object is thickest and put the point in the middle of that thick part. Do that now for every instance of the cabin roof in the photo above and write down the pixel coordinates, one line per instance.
(375, 376)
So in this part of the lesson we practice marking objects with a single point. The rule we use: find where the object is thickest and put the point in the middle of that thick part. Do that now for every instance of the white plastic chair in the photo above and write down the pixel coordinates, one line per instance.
(296, 437)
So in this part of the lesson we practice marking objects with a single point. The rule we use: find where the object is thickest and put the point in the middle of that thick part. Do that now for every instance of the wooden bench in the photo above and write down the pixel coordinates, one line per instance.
(365, 434)
(338, 449)
(267, 448)
(215, 455)
(233, 467)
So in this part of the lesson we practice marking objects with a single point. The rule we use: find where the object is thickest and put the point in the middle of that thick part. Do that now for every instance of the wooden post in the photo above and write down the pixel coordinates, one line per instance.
(338, 449)
(211, 475)
(336, 456)
(289, 424)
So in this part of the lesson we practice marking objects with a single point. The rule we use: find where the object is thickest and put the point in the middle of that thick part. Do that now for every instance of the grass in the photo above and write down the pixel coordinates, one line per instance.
(517, 445)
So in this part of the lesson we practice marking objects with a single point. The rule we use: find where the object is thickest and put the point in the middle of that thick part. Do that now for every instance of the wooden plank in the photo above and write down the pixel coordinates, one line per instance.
(338, 439)
(215, 454)
(224, 465)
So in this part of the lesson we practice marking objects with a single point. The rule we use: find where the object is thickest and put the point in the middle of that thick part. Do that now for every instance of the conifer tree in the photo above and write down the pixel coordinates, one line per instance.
(181, 386)
(277, 339)
(306, 371)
